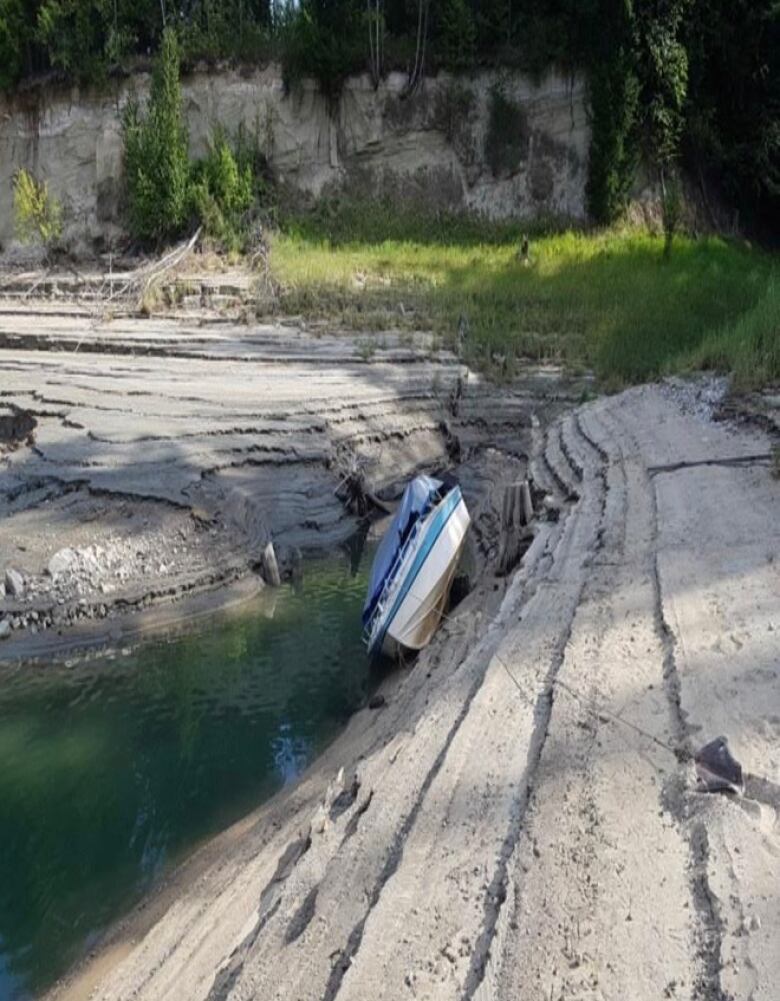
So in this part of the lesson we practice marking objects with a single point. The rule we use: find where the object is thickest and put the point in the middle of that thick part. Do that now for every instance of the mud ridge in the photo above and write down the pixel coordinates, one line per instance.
(496, 894)
(395, 854)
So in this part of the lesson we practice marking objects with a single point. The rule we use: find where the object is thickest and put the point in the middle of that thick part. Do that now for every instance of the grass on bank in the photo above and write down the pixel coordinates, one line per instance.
(601, 300)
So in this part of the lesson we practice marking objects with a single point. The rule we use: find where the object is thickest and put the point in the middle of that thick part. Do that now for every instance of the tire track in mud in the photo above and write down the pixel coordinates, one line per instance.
(494, 895)
(543, 713)
(395, 855)
(676, 798)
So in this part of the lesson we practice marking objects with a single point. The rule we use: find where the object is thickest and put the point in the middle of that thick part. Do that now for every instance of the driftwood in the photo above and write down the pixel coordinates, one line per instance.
(352, 488)
(138, 283)
(382, 505)
(142, 280)
(517, 511)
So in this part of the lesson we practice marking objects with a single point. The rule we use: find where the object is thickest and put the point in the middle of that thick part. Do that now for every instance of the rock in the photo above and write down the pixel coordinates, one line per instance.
(376, 701)
(5, 629)
(64, 561)
(380, 134)
(14, 583)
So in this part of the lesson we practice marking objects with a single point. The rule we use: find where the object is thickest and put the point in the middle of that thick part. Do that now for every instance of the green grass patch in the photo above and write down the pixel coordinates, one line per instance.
(602, 300)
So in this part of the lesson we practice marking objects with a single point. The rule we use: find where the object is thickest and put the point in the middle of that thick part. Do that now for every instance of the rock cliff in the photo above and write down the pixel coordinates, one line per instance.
(451, 144)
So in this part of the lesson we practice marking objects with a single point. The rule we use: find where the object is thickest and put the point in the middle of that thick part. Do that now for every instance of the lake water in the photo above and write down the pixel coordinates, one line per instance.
(112, 770)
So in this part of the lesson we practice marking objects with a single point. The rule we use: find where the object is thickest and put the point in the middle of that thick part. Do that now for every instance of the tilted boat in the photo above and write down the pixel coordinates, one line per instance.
(414, 567)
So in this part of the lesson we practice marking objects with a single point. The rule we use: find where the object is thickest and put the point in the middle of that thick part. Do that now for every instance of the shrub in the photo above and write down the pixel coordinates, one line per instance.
(37, 213)
(223, 192)
(157, 170)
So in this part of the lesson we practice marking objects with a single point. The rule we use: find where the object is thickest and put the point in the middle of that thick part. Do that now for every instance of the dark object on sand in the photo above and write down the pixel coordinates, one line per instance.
(376, 701)
(523, 254)
(717, 769)
(16, 426)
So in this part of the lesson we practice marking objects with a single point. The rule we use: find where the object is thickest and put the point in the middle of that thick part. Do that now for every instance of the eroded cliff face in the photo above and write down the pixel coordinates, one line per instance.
(439, 146)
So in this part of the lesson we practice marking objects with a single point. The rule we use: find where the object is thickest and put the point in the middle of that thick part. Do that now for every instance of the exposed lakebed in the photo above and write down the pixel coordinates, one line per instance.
(114, 768)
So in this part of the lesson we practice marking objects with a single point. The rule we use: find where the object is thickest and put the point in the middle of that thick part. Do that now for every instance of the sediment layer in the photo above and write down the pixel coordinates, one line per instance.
(148, 461)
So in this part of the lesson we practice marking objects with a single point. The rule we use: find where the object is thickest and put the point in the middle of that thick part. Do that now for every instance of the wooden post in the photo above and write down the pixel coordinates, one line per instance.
(517, 510)
(528, 504)
(270, 566)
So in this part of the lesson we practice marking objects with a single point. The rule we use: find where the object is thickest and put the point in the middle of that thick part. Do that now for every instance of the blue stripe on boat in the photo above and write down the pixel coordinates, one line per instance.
(440, 520)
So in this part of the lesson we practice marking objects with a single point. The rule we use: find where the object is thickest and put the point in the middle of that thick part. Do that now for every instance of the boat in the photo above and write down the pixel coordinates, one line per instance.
(414, 567)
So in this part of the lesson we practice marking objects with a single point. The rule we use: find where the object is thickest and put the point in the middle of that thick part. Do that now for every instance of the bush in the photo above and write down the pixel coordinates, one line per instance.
(157, 169)
(223, 192)
(37, 213)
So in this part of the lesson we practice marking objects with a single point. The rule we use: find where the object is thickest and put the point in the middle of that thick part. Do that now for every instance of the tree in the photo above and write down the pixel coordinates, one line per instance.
(15, 38)
(157, 171)
(733, 113)
(457, 34)
(614, 103)
(664, 70)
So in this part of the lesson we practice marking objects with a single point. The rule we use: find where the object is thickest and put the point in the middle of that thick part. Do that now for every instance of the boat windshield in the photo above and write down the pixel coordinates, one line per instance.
(420, 495)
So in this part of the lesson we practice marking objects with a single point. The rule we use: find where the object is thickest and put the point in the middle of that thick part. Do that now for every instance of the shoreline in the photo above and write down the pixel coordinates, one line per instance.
(126, 486)
(470, 836)
(294, 809)
(473, 830)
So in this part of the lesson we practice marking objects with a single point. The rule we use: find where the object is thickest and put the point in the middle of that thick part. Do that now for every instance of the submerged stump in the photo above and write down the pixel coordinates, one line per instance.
(517, 511)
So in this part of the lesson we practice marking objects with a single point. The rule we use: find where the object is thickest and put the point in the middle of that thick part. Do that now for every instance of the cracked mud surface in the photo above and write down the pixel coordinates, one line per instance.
(521, 818)
(143, 462)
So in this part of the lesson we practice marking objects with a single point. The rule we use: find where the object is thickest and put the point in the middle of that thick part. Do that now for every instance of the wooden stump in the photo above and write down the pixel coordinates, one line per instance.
(517, 511)
(270, 566)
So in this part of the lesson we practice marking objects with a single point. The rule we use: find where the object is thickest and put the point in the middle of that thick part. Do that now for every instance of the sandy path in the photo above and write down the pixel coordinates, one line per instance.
(526, 822)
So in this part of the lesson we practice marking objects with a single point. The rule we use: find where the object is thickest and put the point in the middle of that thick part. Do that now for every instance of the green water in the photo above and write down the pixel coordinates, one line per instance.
(111, 770)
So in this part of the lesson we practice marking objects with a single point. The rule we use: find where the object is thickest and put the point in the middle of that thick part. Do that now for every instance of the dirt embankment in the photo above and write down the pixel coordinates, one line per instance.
(145, 464)
(521, 819)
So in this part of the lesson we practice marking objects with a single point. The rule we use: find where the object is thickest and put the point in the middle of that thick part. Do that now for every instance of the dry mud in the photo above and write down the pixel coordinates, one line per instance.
(521, 818)
(145, 464)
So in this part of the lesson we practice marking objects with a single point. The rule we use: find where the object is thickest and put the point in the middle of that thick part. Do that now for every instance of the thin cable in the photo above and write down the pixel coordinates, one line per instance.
(589, 705)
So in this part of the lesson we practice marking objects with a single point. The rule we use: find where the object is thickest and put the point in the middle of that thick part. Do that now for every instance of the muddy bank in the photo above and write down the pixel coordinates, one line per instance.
(521, 817)
(144, 462)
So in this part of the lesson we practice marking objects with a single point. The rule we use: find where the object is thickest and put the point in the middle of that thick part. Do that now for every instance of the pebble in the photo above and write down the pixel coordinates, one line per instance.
(63, 561)
(5, 629)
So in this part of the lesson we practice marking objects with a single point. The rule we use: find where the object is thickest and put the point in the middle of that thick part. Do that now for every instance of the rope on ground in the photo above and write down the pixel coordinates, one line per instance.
(593, 708)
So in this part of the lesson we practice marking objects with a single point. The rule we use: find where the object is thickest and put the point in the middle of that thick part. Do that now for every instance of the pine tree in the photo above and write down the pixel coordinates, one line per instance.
(156, 156)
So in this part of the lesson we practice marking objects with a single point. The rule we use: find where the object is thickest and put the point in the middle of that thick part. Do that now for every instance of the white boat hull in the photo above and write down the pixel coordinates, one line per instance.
(415, 602)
